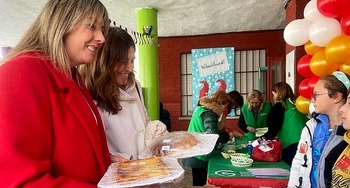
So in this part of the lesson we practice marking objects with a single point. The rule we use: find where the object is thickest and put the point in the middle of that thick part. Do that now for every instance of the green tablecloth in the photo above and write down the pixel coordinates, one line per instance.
(221, 167)
(222, 173)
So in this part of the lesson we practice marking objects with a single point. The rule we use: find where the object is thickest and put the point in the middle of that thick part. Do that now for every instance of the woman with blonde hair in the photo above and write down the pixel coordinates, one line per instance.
(51, 132)
(253, 114)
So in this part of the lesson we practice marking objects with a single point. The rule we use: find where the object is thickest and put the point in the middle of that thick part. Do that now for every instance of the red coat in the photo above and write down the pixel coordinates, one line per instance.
(49, 136)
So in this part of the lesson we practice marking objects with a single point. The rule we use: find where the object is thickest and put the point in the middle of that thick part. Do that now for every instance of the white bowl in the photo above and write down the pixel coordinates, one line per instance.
(236, 156)
(242, 162)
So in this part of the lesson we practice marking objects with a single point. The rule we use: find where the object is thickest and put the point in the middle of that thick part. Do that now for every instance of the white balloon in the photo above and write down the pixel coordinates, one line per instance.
(323, 30)
(296, 32)
(311, 12)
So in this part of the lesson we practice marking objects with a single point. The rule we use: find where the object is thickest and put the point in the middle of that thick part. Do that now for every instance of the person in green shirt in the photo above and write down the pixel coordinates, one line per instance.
(253, 114)
(205, 119)
(285, 122)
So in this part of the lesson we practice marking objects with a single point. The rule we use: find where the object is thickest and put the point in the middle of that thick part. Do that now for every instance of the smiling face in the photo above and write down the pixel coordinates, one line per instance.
(124, 70)
(83, 42)
(345, 114)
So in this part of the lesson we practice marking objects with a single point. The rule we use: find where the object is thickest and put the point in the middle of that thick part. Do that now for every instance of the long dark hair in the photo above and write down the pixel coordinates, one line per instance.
(100, 78)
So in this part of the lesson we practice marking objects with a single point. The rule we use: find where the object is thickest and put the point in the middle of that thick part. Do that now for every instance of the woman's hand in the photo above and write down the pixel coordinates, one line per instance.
(231, 135)
(237, 134)
(117, 158)
(251, 129)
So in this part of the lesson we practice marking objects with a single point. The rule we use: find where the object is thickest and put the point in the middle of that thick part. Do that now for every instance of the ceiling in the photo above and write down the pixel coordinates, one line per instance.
(175, 17)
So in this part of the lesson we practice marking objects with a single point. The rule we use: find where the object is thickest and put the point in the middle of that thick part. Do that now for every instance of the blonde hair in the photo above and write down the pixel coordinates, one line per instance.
(255, 94)
(57, 19)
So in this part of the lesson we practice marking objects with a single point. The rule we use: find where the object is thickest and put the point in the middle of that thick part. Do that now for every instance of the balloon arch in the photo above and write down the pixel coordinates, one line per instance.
(325, 33)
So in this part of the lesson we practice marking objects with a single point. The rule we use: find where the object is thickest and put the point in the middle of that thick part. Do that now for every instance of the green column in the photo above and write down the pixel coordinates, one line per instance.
(148, 59)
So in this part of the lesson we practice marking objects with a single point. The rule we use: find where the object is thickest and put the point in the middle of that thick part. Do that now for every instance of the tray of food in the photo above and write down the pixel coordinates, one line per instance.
(155, 170)
(181, 144)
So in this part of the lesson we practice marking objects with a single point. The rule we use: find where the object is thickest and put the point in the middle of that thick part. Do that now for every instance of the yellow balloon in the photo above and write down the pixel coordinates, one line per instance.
(345, 68)
(320, 66)
(311, 48)
(302, 104)
(338, 49)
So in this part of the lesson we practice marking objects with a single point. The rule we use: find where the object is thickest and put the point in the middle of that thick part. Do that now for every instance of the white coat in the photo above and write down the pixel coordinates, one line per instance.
(302, 161)
(125, 131)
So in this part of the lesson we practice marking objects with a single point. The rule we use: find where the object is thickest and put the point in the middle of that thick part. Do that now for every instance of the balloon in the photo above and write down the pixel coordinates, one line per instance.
(323, 30)
(320, 66)
(311, 12)
(296, 32)
(302, 104)
(304, 89)
(303, 66)
(345, 68)
(333, 8)
(311, 48)
(345, 24)
(338, 49)
(312, 81)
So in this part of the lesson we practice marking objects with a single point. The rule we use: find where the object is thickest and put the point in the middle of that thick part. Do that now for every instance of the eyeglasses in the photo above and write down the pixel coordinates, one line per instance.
(317, 94)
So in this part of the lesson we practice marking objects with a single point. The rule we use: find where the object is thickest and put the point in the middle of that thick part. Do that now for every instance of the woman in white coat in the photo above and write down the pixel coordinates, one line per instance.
(118, 96)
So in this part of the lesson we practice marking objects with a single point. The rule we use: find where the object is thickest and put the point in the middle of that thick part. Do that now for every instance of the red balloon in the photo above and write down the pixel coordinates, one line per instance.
(304, 89)
(312, 81)
(345, 24)
(303, 66)
(333, 8)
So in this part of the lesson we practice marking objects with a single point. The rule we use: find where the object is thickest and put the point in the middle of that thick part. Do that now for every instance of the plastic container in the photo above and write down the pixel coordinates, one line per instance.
(250, 148)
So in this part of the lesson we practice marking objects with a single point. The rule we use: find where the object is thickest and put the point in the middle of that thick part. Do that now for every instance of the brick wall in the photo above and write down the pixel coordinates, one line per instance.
(170, 49)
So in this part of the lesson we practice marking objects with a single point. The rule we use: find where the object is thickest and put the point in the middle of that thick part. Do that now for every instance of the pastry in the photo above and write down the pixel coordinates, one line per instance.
(141, 169)
(167, 144)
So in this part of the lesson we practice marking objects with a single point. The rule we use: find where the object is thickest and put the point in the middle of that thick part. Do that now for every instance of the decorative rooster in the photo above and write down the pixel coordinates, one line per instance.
(205, 89)
(222, 86)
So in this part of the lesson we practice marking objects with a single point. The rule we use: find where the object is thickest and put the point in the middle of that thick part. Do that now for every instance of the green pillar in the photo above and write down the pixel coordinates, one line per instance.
(148, 60)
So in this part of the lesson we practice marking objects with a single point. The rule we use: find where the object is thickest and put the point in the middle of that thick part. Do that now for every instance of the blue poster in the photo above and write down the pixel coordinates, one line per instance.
(212, 70)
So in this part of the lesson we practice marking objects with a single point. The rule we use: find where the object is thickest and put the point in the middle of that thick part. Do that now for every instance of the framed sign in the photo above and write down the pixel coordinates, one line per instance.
(212, 70)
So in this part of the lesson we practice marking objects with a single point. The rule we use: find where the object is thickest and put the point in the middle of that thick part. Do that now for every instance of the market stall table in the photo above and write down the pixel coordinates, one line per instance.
(222, 173)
